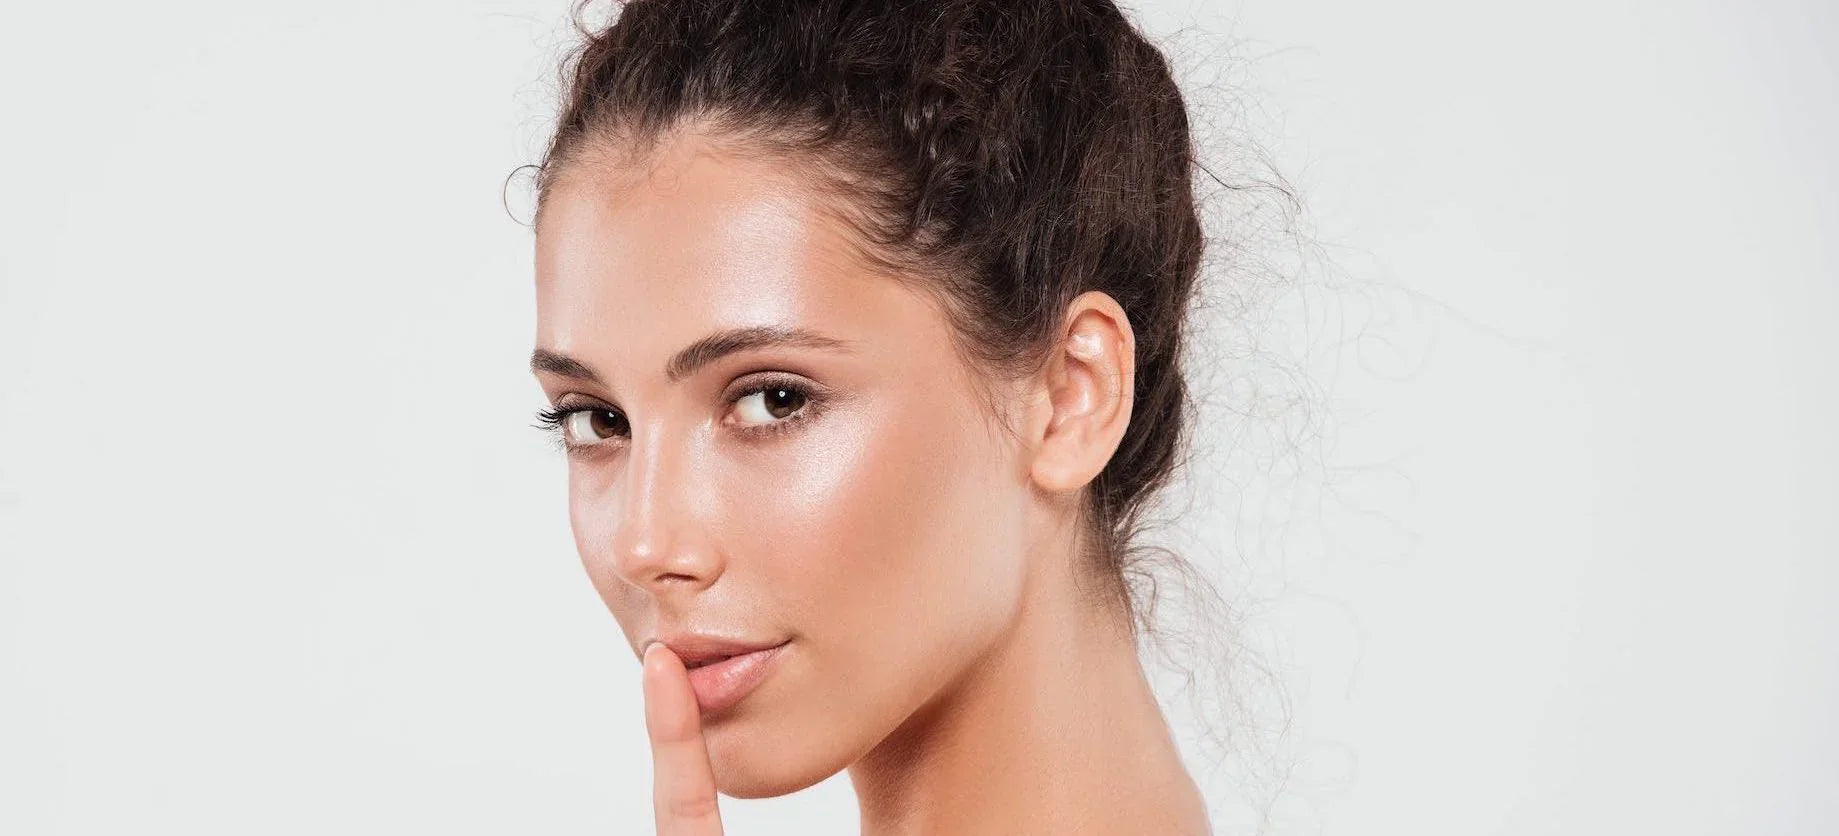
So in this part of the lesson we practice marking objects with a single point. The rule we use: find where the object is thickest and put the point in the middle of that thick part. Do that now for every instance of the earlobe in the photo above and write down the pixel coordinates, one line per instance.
(1090, 388)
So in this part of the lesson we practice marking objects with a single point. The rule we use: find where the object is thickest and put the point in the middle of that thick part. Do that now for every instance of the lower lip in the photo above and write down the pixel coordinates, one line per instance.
(720, 685)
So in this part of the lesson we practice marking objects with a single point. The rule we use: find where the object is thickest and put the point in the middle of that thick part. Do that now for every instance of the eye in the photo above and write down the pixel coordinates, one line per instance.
(763, 408)
(770, 403)
(593, 426)
(585, 426)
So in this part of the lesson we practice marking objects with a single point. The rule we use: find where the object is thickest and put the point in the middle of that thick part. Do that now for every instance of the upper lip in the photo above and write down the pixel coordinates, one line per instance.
(697, 649)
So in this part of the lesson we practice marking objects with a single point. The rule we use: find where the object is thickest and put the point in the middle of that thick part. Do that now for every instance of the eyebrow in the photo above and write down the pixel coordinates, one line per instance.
(699, 353)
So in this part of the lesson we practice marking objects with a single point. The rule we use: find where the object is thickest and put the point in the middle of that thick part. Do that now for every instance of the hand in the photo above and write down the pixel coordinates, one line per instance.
(683, 783)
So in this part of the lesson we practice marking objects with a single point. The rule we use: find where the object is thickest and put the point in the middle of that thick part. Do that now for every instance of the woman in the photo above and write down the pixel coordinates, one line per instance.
(861, 325)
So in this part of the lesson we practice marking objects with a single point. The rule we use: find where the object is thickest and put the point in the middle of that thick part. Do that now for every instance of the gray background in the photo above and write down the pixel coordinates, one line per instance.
(1549, 546)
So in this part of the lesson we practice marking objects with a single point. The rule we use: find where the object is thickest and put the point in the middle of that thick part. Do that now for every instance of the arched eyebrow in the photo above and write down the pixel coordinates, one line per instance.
(699, 353)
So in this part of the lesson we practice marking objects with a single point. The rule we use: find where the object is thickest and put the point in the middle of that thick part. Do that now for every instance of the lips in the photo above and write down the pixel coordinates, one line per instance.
(723, 672)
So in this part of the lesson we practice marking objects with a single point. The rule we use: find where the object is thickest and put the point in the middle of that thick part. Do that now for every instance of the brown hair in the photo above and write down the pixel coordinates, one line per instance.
(1006, 155)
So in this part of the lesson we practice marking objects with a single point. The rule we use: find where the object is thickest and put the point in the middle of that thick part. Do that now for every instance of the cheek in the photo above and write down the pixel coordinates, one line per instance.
(891, 543)
(898, 542)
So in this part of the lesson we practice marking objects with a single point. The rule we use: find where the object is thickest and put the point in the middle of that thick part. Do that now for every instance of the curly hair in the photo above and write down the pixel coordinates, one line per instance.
(1003, 155)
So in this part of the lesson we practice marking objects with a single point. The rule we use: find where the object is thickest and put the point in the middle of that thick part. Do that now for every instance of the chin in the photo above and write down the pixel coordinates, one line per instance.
(750, 762)
(767, 777)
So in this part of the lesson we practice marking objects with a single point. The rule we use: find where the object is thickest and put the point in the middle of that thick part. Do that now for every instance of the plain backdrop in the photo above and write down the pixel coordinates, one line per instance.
(1546, 543)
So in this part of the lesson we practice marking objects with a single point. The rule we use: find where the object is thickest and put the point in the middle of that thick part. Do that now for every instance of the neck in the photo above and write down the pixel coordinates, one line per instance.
(1054, 730)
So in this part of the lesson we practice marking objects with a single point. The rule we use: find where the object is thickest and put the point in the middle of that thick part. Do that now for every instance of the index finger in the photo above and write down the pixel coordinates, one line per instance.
(683, 784)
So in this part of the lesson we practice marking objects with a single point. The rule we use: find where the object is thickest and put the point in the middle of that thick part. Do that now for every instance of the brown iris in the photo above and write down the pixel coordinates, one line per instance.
(605, 423)
(781, 401)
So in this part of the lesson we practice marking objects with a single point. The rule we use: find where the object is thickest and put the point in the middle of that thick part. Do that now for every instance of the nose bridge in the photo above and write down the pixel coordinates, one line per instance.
(656, 547)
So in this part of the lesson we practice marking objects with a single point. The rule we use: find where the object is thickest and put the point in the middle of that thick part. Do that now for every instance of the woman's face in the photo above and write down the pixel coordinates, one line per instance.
(860, 509)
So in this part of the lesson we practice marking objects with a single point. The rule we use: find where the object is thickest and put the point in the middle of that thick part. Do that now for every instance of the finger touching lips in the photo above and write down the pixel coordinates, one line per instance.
(683, 783)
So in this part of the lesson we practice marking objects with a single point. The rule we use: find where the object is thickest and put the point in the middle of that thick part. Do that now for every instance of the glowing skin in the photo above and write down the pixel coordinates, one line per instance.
(916, 560)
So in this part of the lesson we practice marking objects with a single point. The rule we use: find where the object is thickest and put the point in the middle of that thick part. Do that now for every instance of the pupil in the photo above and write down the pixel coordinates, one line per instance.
(785, 394)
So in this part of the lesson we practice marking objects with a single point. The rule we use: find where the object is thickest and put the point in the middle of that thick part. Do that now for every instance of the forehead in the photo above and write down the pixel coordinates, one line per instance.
(636, 262)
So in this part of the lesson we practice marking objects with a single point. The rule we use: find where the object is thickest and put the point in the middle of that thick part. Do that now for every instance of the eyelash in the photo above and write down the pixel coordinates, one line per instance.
(551, 420)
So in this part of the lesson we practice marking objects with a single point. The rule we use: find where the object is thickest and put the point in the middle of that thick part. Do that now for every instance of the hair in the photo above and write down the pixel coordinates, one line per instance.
(1005, 156)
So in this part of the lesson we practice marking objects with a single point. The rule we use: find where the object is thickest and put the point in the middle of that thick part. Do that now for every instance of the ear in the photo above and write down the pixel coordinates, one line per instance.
(1083, 395)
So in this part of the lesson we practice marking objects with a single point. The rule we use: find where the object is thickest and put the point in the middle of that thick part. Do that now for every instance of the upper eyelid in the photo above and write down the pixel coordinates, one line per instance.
(763, 377)
(767, 380)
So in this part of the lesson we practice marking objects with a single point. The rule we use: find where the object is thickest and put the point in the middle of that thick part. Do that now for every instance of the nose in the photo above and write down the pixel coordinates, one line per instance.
(659, 543)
